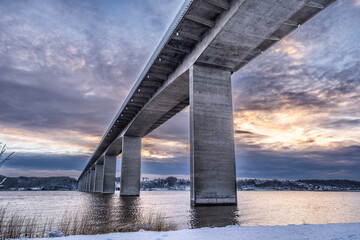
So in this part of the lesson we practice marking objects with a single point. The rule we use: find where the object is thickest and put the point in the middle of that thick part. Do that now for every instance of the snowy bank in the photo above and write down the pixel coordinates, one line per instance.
(326, 231)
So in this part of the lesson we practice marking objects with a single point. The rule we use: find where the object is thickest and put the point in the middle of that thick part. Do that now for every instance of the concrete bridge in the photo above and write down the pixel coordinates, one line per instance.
(207, 42)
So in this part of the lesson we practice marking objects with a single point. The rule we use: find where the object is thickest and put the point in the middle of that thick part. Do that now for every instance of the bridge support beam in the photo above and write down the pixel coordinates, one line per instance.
(89, 181)
(85, 182)
(82, 180)
(109, 171)
(92, 179)
(130, 166)
(212, 153)
(99, 171)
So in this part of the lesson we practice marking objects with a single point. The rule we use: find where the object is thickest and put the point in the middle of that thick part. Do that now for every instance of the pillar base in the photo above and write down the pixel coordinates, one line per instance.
(213, 201)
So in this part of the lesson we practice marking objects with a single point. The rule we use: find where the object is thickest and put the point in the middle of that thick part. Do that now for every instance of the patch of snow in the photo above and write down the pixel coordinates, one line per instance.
(296, 232)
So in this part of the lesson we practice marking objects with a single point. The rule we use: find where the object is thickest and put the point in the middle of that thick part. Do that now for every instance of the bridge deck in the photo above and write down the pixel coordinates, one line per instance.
(217, 33)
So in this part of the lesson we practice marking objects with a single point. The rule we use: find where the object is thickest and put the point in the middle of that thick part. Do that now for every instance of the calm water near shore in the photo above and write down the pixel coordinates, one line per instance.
(254, 208)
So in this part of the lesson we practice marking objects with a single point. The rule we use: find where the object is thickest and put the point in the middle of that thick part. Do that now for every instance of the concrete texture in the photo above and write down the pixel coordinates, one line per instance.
(220, 34)
(88, 181)
(92, 180)
(99, 178)
(130, 166)
(212, 39)
(212, 153)
(109, 171)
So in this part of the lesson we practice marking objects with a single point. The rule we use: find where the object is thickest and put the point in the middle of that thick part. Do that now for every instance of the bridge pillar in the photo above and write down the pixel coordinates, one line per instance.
(92, 179)
(89, 181)
(109, 172)
(82, 183)
(130, 166)
(99, 171)
(79, 184)
(212, 153)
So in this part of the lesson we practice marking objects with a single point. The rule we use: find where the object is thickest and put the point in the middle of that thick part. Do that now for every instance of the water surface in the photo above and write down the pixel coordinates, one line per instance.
(254, 208)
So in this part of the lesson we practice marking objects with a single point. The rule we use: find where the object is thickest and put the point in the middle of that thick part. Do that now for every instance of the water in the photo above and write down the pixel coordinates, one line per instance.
(254, 208)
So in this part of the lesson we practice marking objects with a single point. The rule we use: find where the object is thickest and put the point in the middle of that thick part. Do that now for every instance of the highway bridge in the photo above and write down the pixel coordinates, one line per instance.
(206, 43)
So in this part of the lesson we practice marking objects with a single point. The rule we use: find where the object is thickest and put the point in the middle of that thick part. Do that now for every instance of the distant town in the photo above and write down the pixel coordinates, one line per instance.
(175, 184)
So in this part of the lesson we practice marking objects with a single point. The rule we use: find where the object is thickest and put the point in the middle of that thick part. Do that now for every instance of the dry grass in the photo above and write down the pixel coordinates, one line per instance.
(18, 226)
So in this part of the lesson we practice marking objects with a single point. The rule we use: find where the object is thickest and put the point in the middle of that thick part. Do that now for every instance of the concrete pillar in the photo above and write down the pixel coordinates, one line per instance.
(92, 180)
(89, 181)
(109, 171)
(85, 182)
(82, 183)
(98, 186)
(212, 153)
(130, 166)
(85, 178)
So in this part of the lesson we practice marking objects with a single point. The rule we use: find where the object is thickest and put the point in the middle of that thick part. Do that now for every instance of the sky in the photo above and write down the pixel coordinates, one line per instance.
(67, 66)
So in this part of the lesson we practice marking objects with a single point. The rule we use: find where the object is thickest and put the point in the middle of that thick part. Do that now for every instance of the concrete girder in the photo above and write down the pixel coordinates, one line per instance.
(150, 83)
(190, 36)
(144, 90)
(200, 20)
(170, 60)
(162, 67)
(157, 77)
(115, 148)
(254, 23)
(159, 105)
(177, 49)
(220, 3)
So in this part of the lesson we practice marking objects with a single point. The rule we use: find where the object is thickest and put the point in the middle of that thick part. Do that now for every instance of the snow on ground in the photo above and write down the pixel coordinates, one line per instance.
(326, 231)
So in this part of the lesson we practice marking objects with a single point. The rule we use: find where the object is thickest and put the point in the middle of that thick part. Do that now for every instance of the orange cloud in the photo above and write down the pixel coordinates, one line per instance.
(290, 129)
(163, 149)
(49, 141)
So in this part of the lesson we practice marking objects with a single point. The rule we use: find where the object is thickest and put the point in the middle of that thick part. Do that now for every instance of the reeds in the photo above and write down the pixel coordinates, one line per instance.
(19, 226)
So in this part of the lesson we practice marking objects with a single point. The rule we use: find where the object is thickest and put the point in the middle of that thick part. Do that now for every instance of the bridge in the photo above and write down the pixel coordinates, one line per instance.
(206, 43)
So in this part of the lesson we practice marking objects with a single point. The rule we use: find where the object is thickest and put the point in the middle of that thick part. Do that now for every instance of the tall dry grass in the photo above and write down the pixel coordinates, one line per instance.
(20, 226)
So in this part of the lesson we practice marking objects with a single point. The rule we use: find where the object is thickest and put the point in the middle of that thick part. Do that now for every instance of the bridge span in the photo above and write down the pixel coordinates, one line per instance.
(206, 43)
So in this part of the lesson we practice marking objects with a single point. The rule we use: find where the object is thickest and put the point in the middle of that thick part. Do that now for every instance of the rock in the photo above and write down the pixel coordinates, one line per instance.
(54, 234)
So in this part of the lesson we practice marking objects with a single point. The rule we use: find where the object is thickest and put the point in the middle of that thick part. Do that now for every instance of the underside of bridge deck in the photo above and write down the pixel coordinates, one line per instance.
(207, 42)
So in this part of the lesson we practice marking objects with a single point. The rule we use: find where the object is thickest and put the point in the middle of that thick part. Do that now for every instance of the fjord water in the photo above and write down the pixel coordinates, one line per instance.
(254, 208)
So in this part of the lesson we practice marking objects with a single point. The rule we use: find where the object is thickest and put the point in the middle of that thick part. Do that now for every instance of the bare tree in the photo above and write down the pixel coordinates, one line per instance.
(4, 159)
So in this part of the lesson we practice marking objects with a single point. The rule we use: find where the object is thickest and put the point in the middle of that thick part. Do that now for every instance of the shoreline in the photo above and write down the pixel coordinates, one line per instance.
(306, 231)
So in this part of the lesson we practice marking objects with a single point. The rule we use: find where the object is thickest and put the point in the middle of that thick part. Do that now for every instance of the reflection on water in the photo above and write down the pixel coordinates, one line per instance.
(130, 210)
(254, 208)
(214, 216)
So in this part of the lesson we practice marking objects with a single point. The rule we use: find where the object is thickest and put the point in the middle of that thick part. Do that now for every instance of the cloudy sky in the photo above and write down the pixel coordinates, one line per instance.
(67, 66)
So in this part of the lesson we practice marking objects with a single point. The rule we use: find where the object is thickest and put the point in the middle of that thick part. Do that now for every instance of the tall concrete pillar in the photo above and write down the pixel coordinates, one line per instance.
(86, 182)
(89, 181)
(212, 153)
(98, 186)
(130, 166)
(109, 171)
(92, 180)
(82, 183)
